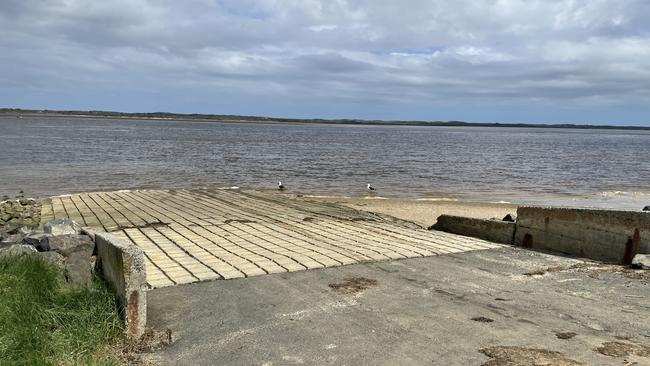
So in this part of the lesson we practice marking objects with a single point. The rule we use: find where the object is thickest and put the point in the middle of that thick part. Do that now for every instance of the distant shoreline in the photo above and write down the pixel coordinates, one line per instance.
(163, 116)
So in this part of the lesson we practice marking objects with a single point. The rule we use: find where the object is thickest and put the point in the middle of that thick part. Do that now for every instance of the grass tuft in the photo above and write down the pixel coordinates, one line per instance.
(45, 322)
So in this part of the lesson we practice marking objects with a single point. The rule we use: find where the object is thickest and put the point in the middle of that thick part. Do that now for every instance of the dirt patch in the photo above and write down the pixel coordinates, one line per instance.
(133, 352)
(543, 271)
(362, 219)
(353, 285)
(594, 269)
(239, 221)
(143, 226)
(520, 356)
(565, 335)
(621, 349)
(482, 319)
(631, 273)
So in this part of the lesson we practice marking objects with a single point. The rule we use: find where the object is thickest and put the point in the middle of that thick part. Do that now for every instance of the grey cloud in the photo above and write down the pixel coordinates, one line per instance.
(421, 51)
(331, 63)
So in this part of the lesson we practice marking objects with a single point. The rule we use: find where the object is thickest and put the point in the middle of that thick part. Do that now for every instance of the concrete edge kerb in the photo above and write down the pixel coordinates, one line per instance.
(123, 267)
(490, 230)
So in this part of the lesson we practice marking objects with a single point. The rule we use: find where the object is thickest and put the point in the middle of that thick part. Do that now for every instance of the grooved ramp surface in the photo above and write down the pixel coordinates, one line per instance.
(197, 235)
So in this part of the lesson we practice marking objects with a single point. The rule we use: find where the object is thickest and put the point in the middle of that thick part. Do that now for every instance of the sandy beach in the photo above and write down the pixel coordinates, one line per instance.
(422, 212)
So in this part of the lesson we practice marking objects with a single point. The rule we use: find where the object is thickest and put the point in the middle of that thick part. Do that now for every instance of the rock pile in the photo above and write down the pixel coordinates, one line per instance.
(21, 211)
(60, 243)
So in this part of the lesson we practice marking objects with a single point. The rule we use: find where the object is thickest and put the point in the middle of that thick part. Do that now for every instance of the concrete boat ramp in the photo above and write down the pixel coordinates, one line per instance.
(396, 300)
(198, 235)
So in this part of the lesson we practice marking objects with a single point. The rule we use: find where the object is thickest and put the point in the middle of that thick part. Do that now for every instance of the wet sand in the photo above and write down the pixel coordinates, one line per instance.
(423, 212)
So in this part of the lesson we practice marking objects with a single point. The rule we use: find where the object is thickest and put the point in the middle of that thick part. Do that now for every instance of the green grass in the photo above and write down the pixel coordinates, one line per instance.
(45, 322)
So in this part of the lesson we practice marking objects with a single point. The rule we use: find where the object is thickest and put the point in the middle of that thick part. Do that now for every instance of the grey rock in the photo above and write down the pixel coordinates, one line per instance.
(6, 244)
(16, 238)
(62, 227)
(646, 208)
(78, 269)
(38, 241)
(68, 244)
(53, 258)
(9, 230)
(641, 261)
(26, 201)
(78, 251)
(17, 249)
(22, 230)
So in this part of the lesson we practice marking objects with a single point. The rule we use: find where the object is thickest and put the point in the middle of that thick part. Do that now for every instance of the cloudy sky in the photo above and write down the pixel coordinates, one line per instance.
(476, 60)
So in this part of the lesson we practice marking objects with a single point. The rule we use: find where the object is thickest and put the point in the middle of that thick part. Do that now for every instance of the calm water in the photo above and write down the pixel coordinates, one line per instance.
(46, 156)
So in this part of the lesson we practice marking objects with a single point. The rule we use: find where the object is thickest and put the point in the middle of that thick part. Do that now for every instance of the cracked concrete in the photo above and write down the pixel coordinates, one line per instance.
(408, 312)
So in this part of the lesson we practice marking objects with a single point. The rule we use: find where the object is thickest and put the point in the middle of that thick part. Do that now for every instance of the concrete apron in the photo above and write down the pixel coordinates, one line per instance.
(197, 235)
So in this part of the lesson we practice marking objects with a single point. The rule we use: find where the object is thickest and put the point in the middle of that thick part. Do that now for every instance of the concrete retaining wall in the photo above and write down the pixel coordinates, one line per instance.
(491, 230)
(606, 235)
(122, 265)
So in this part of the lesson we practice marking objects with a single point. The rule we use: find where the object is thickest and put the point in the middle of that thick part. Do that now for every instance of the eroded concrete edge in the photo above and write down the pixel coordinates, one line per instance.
(123, 267)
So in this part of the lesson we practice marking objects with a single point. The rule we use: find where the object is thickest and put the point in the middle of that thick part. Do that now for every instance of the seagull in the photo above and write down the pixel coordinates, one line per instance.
(370, 188)
(280, 186)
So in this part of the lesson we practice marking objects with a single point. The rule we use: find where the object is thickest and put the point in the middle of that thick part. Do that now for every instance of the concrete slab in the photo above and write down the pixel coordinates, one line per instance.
(411, 312)
(123, 267)
(199, 235)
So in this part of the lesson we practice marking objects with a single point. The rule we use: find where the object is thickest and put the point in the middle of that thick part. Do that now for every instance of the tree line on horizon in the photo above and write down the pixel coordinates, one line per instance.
(244, 118)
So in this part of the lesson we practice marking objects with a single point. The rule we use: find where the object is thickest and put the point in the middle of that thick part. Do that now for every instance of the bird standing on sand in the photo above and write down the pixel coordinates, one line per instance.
(370, 188)
(280, 186)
